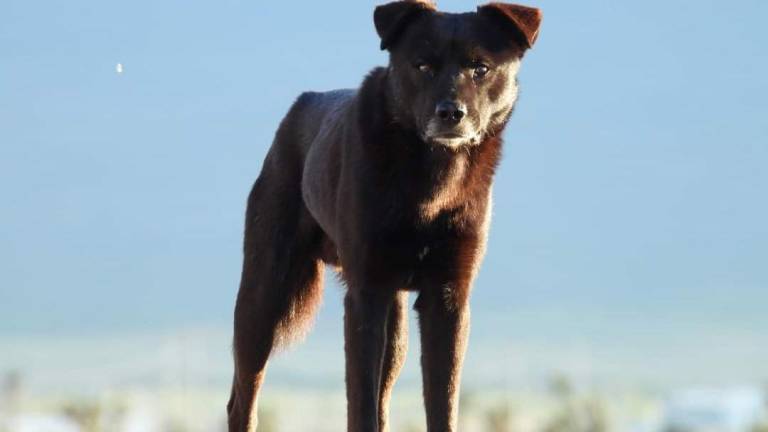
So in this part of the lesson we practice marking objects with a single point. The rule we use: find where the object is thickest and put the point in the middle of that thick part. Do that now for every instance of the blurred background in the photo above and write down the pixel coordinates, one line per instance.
(625, 285)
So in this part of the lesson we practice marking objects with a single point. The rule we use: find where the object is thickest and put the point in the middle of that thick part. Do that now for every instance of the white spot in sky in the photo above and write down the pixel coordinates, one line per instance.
(119, 68)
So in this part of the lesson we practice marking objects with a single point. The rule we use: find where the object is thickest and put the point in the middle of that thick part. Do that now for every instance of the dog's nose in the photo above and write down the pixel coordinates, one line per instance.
(450, 112)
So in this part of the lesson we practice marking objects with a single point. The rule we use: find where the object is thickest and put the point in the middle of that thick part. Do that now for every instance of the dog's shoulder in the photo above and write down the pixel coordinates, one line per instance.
(314, 112)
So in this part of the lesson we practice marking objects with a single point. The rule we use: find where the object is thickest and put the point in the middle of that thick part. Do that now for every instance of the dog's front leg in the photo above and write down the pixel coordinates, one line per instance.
(365, 327)
(394, 354)
(444, 325)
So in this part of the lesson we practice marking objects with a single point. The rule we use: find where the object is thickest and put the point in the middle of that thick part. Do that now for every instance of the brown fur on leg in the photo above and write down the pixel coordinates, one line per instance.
(443, 310)
(444, 332)
(394, 356)
(365, 331)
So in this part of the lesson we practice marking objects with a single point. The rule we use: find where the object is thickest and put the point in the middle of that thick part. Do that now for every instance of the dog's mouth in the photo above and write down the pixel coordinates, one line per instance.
(452, 139)
(455, 136)
(449, 136)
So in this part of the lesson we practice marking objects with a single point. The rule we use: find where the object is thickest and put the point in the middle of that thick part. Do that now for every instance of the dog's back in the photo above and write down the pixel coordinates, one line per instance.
(313, 114)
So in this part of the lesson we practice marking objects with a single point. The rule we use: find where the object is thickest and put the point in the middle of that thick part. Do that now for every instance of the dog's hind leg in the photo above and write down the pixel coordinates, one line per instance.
(394, 354)
(281, 283)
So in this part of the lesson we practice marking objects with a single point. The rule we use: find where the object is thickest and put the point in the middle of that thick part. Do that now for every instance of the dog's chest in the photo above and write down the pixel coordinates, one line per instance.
(409, 253)
(445, 190)
(431, 184)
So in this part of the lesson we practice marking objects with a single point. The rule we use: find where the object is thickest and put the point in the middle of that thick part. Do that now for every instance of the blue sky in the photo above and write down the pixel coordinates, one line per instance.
(630, 204)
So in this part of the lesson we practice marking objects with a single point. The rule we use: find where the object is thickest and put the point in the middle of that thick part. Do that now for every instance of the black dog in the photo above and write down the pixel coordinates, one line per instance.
(390, 183)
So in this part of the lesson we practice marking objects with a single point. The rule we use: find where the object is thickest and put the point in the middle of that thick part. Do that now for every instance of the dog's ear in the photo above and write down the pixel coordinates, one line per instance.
(524, 21)
(392, 18)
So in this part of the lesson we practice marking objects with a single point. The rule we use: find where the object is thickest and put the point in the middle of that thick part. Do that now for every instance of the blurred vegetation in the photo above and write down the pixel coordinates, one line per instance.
(93, 415)
(174, 426)
(267, 419)
(10, 395)
(565, 408)
(763, 426)
(413, 428)
(499, 419)
(574, 413)
(86, 414)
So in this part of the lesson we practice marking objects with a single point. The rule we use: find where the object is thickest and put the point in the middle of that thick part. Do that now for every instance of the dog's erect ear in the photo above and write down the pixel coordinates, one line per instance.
(524, 20)
(392, 18)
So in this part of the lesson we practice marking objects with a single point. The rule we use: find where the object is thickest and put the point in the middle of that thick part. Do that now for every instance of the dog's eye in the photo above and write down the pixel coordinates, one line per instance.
(424, 67)
(481, 70)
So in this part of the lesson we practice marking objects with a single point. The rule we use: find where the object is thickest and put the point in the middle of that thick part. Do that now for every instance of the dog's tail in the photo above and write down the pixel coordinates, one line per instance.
(303, 304)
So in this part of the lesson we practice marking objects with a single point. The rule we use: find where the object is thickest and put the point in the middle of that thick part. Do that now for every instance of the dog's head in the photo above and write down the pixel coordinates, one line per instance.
(453, 77)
